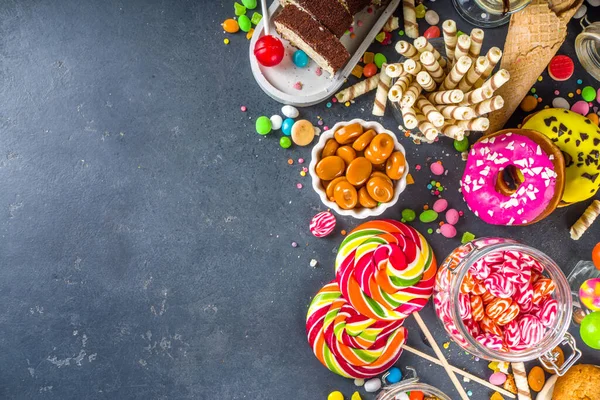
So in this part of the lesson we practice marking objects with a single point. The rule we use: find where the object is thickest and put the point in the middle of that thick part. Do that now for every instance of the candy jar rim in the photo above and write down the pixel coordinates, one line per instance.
(390, 391)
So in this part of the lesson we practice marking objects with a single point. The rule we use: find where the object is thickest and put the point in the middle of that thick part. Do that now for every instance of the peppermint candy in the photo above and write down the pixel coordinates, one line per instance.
(499, 286)
(322, 224)
(464, 305)
(511, 271)
(509, 315)
(512, 334)
(531, 330)
(492, 342)
(497, 307)
(548, 311)
(524, 298)
(477, 310)
(472, 327)
(494, 258)
(480, 269)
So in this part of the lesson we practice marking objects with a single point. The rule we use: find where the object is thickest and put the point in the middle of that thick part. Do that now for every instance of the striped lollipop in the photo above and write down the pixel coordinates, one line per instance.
(386, 270)
(347, 343)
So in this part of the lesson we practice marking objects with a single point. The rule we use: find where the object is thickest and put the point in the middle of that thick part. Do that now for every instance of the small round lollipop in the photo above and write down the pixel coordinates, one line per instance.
(589, 294)
(268, 49)
(590, 330)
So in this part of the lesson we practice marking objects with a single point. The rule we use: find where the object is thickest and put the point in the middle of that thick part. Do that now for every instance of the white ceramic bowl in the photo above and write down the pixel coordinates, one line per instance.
(361, 213)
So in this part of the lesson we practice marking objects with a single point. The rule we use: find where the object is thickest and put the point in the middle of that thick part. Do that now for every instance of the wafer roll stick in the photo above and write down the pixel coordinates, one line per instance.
(479, 124)
(411, 28)
(422, 45)
(432, 66)
(586, 220)
(497, 80)
(457, 112)
(426, 81)
(493, 55)
(520, 374)
(391, 25)
(458, 71)
(427, 127)
(487, 106)
(410, 96)
(430, 112)
(452, 130)
(399, 87)
(410, 117)
(382, 92)
(449, 28)
(412, 67)
(394, 70)
(476, 42)
(407, 50)
(358, 89)
(477, 68)
(446, 97)
(418, 137)
(477, 96)
(463, 44)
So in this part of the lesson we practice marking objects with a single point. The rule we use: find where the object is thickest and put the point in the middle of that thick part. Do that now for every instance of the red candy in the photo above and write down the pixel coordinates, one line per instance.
(531, 329)
(512, 334)
(473, 327)
(477, 310)
(493, 342)
(499, 286)
(464, 305)
(524, 298)
(432, 32)
(322, 224)
(480, 269)
(561, 68)
(548, 311)
(269, 51)
(509, 315)
(497, 307)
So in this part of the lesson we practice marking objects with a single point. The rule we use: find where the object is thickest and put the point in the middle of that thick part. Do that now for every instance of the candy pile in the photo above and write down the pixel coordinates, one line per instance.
(505, 301)
(243, 22)
(300, 132)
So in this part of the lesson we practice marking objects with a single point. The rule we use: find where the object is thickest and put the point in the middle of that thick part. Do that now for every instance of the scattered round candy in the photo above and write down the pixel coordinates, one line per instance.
(373, 385)
(589, 294)
(593, 117)
(529, 103)
(290, 111)
(287, 125)
(432, 18)
(303, 132)
(245, 24)
(588, 93)
(359, 381)
(432, 32)
(263, 125)
(497, 378)
(370, 70)
(598, 95)
(448, 231)
(231, 26)
(440, 205)
(536, 378)
(249, 4)
(285, 142)
(560, 102)
(394, 376)
(379, 60)
(335, 396)
(428, 216)
(461, 145)
(436, 168)
(590, 330)
(596, 256)
(300, 59)
(581, 107)
(276, 122)
(408, 215)
(322, 224)
(268, 50)
(561, 68)
(452, 216)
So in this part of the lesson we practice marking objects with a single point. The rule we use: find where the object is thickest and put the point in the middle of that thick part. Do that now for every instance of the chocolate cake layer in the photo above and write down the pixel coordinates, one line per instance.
(354, 6)
(306, 33)
(330, 13)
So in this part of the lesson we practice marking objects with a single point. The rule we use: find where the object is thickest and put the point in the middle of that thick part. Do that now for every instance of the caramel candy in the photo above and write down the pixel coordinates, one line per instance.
(347, 153)
(363, 141)
(330, 148)
(382, 175)
(365, 199)
(348, 133)
(359, 171)
(380, 148)
(379, 167)
(331, 185)
(345, 195)
(380, 189)
(395, 166)
(330, 167)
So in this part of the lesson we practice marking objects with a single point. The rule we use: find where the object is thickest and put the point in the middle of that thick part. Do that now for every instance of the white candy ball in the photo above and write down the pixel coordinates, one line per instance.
(402, 396)
(561, 102)
(594, 3)
(359, 381)
(432, 17)
(580, 12)
(373, 385)
(276, 122)
(290, 111)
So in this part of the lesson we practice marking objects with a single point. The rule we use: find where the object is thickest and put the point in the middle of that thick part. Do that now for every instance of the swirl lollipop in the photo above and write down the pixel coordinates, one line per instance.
(386, 270)
(350, 344)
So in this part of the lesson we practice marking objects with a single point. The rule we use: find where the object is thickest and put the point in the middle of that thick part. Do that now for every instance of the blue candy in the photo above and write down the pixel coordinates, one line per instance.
(286, 127)
(395, 375)
(300, 59)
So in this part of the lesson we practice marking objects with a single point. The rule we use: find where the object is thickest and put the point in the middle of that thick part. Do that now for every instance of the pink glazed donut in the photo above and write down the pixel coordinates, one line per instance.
(536, 167)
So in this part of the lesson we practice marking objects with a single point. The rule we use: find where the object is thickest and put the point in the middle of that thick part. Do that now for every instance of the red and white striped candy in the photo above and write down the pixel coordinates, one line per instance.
(548, 312)
(480, 269)
(477, 309)
(499, 286)
(535, 308)
(512, 334)
(509, 315)
(531, 329)
(472, 327)
(494, 258)
(322, 224)
(478, 288)
(512, 255)
(464, 305)
(511, 271)
(524, 297)
(520, 347)
(497, 307)
(535, 276)
(492, 342)
(489, 326)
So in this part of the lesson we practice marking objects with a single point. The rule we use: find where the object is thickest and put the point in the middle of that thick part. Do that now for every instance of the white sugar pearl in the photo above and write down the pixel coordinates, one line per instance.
(373, 385)
(290, 111)
(432, 17)
(276, 122)
(359, 381)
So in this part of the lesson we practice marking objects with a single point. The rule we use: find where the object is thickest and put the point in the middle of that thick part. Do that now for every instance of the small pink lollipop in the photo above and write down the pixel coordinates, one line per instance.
(268, 49)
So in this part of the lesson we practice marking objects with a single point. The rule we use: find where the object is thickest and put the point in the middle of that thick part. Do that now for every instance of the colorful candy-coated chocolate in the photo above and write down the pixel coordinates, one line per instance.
(440, 205)
(461, 145)
(276, 122)
(285, 142)
(437, 168)
(373, 385)
(322, 224)
(581, 107)
(244, 22)
(408, 215)
(497, 378)
(394, 375)
(589, 294)
(370, 70)
(428, 216)
(300, 59)
(231, 26)
(290, 111)
(263, 125)
(379, 60)
(590, 330)
(286, 126)
(588, 93)
(268, 50)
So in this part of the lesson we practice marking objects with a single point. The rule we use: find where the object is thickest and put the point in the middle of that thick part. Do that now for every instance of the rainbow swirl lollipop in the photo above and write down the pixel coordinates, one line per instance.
(386, 270)
(350, 344)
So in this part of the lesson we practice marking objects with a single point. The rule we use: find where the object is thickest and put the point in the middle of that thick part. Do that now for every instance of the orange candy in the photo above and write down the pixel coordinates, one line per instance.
(596, 256)
(330, 148)
(395, 166)
(416, 395)
(560, 359)
(359, 171)
(497, 307)
(478, 287)
(365, 199)
(380, 148)
(536, 378)
(489, 326)
(593, 117)
(347, 153)
(477, 308)
(331, 185)
(467, 284)
(345, 195)
(487, 297)
(380, 189)
(508, 315)
(363, 141)
(347, 134)
(231, 26)
(330, 167)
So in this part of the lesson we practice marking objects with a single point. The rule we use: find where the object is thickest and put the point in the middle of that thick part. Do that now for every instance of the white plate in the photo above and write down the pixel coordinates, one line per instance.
(278, 82)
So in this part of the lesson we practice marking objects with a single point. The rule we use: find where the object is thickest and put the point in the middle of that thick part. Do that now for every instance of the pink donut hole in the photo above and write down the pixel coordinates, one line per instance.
(452, 216)
(440, 205)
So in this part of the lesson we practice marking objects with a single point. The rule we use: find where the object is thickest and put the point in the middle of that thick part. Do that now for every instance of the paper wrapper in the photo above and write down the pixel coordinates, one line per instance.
(534, 36)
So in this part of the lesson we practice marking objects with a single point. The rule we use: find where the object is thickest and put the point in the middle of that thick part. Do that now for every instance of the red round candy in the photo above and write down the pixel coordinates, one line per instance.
(269, 51)
(370, 70)
(561, 68)
(596, 256)
(432, 32)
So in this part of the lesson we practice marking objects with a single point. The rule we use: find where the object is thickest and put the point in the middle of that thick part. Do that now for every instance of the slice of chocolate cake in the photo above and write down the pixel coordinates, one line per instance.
(330, 13)
(354, 6)
(307, 34)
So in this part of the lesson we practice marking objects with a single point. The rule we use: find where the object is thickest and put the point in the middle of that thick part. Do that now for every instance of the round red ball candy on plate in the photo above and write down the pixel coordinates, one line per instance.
(561, 68)
(269, 51)
(322, 224)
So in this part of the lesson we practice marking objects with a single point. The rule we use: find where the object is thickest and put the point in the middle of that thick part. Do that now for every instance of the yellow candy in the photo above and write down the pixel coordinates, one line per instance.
(356, 396)
(493, 366)
(357, 71)
(335, 396)
(420, 10)
(496, 396)
(250, 33)
(368, 57)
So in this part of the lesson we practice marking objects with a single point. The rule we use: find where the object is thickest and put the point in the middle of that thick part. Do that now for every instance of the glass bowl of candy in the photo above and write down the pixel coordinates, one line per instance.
(411, 388)
(502, 300)
(358, 168)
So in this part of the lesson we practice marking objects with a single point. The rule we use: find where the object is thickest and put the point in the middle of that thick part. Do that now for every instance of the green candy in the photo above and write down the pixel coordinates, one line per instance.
(590, 330)
(244, 23)
(459, 33)
(467, 237)
(256, 17)
(379, 60)
(408, 215)
(239, 9)
(588, 93)
(428, 216)
(263, 125)
(461, 145)
(285, 142)
(380, 37)
(250, 4)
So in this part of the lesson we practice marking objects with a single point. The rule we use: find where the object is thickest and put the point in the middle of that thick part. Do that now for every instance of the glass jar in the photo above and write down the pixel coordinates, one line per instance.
(446, 300)
(407, 385)
(587, 47)
(488, 13)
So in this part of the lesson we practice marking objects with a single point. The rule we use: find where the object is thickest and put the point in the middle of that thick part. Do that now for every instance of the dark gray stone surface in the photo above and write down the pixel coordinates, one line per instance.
(146, 228)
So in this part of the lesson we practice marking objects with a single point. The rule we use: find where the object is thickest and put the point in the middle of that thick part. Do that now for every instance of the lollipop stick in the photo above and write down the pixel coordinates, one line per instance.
(459, 371)
(440, 355)
(265, 18)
